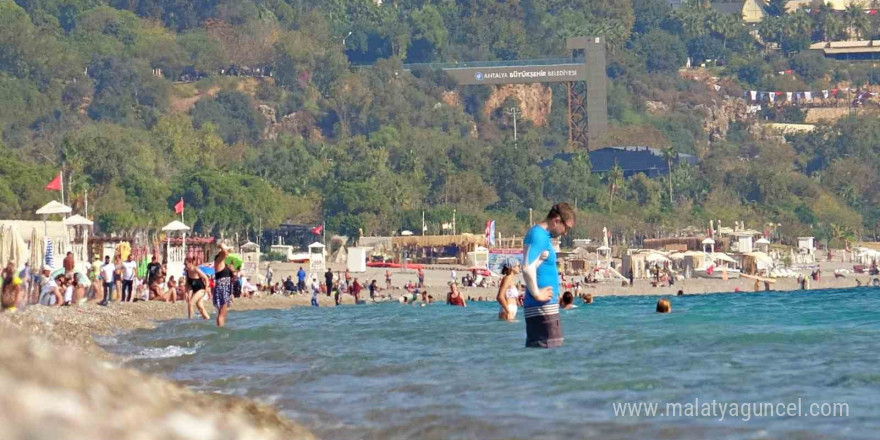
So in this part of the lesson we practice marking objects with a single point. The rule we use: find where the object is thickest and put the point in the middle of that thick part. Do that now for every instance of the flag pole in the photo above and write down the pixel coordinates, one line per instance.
(61, 174)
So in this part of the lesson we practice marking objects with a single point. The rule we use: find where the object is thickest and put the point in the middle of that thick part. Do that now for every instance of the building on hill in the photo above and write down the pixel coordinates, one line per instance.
(749, 11)
(836, 5)
(862, 50)
(632, 160)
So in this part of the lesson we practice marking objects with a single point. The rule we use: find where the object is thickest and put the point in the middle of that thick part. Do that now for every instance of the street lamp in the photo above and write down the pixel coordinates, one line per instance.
(513, 111)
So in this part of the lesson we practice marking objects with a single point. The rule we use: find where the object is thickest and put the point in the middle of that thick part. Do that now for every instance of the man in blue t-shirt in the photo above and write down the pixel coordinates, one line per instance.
(541, 304)
(301, 280)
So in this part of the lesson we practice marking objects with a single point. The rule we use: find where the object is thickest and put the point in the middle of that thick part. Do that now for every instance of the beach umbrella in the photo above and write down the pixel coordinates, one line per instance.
(53, 207)
(35, 259)
(207, 270)
(49, 259)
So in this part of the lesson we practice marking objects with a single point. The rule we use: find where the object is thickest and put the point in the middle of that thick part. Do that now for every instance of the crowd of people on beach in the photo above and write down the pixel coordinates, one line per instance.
(541, 294)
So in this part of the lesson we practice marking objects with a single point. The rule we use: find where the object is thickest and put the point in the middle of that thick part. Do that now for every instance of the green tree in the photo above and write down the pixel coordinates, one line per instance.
(662, 51)
(233, 116)
(857, 22)
(615, 180)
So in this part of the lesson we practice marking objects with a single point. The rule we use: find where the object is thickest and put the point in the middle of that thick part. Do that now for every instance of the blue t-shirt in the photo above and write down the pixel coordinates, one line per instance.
(301, 275)
(536, 241)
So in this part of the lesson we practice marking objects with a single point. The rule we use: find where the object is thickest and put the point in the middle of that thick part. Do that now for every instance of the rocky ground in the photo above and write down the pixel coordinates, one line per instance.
(58, 384)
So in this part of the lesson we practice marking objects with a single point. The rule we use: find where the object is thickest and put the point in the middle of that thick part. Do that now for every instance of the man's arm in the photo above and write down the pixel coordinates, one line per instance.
(530, 274)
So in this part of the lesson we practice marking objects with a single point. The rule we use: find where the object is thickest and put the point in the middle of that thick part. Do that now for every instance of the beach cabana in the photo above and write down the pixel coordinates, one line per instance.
(762, 245)
(432, 249)
(175, 256)
(757, 262)
(708, 245)
(250, 255)
(317, 262)
(79, 240)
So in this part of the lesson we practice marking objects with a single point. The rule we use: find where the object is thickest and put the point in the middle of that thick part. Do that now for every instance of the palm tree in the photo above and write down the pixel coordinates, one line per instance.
(820, 24)
(615, 179)
(669, 154)
(856, 21)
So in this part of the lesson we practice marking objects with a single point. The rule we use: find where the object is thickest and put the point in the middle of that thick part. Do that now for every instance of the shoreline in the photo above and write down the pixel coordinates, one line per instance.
(51, 353)
(59, 382)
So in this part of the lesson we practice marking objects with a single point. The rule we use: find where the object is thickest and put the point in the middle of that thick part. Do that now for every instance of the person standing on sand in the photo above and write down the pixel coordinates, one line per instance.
(129, 269)
(421, 275)
(356, 290)
(388, 279)
(541, 304)
(328, 280)
(223, 280)
(196, 289)
(107, 271)
(269, 274)
(301, 280)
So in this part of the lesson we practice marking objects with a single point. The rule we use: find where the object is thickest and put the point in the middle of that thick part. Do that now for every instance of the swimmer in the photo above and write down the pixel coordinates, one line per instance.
(567, 301)
(588, 298)
(454, 297)
(507, 291)
(680, 293)
(663, 306)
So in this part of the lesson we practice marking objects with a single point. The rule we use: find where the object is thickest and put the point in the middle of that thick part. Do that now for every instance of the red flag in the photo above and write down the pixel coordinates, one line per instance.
(55, 184)
(178, 208)
(317, 230)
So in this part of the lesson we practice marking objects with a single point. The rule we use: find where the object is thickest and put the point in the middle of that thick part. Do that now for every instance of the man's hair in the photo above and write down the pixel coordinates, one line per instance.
(567, 298)
(562, 211)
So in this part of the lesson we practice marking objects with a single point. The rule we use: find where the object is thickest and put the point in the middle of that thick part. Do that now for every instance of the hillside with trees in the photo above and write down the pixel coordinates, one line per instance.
(264, 111)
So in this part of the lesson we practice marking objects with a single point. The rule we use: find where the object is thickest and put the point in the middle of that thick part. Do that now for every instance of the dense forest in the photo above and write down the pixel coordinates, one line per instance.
(257, 112)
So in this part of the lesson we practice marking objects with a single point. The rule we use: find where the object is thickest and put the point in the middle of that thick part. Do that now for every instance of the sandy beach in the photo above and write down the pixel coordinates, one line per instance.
(60, 383)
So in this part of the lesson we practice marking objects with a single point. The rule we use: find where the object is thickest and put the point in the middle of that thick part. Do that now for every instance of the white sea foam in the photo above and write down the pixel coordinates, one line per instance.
(170, 351)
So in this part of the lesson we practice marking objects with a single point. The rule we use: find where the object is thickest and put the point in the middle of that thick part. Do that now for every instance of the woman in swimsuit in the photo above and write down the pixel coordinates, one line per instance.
(454, 297)
(507, 291)
(223, 280)
(196, 289)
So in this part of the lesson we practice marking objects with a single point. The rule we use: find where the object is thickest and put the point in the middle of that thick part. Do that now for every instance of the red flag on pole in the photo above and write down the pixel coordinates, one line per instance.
(55, 184)
(317, 230)
(178, 208)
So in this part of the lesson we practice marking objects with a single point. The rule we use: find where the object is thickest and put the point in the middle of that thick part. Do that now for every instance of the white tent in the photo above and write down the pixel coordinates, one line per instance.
(78, 220)
(762, 260)
(654, 257)
(175, 226)
(762, 241)
(54, 207)
(721, 256)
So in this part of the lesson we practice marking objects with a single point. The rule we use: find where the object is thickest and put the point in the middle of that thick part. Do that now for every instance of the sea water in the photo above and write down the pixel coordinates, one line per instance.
(394, 371)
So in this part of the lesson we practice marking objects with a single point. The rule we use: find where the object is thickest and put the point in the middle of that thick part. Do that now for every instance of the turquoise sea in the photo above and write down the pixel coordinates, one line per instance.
(393, 371)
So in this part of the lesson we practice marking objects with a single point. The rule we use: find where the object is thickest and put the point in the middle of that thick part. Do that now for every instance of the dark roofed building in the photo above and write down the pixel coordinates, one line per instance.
(632, 160)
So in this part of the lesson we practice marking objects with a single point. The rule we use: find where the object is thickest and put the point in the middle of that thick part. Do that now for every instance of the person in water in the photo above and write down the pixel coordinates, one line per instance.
(541, 303)
(507, 291)
(454, 297)
(567, 301)
(223, 280)
(663, 306)
(196, 289)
